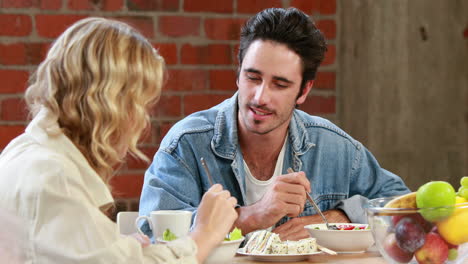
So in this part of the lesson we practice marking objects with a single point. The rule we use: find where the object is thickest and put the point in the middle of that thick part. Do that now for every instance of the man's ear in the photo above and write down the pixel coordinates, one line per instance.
(308, 86)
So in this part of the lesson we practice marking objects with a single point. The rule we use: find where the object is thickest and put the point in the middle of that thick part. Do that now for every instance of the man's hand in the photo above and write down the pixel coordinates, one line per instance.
(294, 228)
(285, 197)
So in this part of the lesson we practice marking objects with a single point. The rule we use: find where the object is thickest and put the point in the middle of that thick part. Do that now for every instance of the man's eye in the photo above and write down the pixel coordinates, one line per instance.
(281, 85)
(253, 78)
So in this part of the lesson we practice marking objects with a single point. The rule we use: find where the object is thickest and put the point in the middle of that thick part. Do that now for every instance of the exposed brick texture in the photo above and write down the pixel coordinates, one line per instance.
(13, 81)
(51, 26)
(112, 5)
(17, 3)
(200, 102)
(11, 54)
(15, 25)
(22, 53)
(206, 54)
(50, 4)
(81, 5)
(325, 81)
(127, 185)
(223, 80)
(249, 6)
(138, 164)
(177, 80)
(223, 28)
(153, 5)
(316, 105)
(328, 27)
(225, 6)
(7, 133)
(197, 38)
(13, 109)
(168, 51)
(144, 24)
(179, 26)
(168, 106)
(324, 7)
(330, 55)
(43, 4)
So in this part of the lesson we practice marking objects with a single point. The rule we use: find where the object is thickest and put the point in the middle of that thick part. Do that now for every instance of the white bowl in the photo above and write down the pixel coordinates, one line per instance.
(342, 241)
(224, 252)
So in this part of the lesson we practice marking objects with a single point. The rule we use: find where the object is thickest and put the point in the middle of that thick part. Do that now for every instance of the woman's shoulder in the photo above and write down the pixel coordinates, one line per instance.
(27, 163)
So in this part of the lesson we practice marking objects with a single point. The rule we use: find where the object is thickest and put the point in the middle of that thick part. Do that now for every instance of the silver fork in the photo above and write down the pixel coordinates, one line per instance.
(210, 179)
(313, 204)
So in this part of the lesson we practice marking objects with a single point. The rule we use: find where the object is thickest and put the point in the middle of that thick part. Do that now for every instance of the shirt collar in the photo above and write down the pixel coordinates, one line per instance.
(225, 139)
(45, 130)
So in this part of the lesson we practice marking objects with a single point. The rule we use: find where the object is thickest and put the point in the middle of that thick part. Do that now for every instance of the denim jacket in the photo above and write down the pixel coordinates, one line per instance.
(337, 166)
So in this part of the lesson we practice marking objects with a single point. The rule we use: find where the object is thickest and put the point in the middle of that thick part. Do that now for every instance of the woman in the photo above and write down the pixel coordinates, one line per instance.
(90, 101)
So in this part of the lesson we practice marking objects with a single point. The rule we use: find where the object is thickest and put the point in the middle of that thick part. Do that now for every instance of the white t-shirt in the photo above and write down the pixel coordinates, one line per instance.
(255, 189)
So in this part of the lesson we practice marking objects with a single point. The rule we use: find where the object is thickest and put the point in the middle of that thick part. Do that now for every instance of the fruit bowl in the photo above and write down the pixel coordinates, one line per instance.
(405, 235)
(357, 240)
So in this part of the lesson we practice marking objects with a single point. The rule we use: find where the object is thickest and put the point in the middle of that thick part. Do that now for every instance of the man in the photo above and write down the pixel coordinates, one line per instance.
(250, 140)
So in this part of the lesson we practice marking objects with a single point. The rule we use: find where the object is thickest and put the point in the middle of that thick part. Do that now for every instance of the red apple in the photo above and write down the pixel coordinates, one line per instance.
(394, 251)
(434, 251)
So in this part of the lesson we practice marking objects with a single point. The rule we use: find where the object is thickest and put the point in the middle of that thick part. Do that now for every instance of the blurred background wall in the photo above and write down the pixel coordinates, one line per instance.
(394, 76)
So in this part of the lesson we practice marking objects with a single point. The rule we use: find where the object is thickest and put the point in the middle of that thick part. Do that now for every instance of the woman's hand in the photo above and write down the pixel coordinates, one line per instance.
(142, 239)
(215, 217)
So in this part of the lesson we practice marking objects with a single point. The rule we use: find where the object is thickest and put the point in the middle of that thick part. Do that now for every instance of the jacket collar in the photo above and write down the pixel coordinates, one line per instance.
(225, 140)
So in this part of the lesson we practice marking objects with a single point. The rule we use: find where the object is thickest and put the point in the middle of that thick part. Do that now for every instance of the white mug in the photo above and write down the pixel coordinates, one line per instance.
(175, 220)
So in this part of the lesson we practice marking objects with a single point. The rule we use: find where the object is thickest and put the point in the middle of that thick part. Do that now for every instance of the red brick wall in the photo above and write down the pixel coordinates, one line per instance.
(198, 39)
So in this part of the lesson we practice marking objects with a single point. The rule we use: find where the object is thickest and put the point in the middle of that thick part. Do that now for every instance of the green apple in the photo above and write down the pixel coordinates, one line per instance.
(436, 194)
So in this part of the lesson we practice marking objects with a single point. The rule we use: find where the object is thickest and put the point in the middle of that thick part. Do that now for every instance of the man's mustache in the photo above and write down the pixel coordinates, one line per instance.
(263, 108)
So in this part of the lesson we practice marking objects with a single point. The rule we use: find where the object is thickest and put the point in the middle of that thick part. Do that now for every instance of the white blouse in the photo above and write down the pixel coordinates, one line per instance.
(46, 181)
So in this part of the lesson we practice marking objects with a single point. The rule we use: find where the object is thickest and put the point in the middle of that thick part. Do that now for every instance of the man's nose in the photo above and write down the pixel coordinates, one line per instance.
(262, 94)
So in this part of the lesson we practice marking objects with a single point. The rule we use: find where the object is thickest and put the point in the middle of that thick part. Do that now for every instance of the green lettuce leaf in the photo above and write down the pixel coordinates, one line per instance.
(168, 235)
(234, 235)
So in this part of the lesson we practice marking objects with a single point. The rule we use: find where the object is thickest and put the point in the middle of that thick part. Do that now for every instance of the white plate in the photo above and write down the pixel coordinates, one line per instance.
(277, 257)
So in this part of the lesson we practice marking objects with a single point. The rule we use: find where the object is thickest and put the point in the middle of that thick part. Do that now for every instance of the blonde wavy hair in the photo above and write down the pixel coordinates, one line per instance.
(101, 78)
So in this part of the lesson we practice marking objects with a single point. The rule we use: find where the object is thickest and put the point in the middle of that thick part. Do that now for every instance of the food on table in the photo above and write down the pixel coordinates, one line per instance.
(464, 182)
(454, 229)
(391, 247)
(348, 227)
(234, 235)
(345, 227)
(409, 235)
(435, 250)
(417, 217)
(436, 194)
(452, 254)
(404, 201)
(168, 235)
(463, 190)
(433, 234)
(266, 242)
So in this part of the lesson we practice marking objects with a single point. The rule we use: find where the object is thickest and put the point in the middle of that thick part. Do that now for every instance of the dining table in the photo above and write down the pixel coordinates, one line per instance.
(372, 257)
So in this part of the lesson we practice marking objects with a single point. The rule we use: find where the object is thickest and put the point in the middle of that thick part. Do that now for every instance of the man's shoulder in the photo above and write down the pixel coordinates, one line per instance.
(319, 126)
(201, 122)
